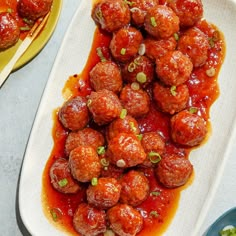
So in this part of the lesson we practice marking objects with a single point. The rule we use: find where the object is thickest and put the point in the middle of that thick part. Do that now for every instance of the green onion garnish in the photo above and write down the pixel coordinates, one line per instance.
(193, 110)
(123, 51)
(123, 113)
(63, 182)
(101, 150)
(153, 21)
(155, 193)
(154, 157)
(104, 162)
(173, 90)
(176, 36)
(141, 77)
(154, 214)
(94, 181)
(100, 54)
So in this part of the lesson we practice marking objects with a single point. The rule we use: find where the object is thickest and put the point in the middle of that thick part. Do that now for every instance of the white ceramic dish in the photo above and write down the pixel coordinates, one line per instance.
(208, 161)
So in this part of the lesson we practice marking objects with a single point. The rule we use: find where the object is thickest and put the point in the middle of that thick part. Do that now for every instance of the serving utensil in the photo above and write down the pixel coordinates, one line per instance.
(34, 31)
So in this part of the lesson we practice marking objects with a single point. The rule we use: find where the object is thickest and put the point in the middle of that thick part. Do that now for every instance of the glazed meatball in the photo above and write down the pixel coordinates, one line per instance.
(194, 43)
(89, 221)
(86, 136)
(106, 75)
(139, 10)
(34, 9)
(104, 194)
(171, 99)
(125, 43)
(188, 128)
(174, 171)
(61, 178)
(188, 11)
(136, 102)
(84, 163)
(104, 105)
(111, 15)
(125, 150)
(74, 113)
(126, 125)
(157, 48)
(161, 22)
(140, 70)
(125, 220)
(174, 68)
(9, 30)
(135, 188)
(153, 145)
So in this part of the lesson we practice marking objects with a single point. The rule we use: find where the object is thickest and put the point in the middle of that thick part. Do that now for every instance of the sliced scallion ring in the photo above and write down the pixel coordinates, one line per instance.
(123, 113)
(141, 77)
(104, 162)
(94, 181)
(63, 182)
(101, 150)
(154, 157)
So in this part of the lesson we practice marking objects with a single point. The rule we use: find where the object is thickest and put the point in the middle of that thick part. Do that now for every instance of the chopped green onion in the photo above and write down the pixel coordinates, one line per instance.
(89, 102)
(141, 77)
(131, 67)
(154, 214)
(153, 21)
(138, 61)
(173, 90)
(25, 28)
(128, 3)
(9, 10)
(123, 51)
(132, 126)
(100, 54)
(154, 157)
(176, 36)
(155, 193)
(63, 182)
(104, 162)
(121, 163)
(135, 86)
(211, 72)
(94, 181)
(101, 150)
(123, 113)
(27, 21)
(228, 232)
(139, 137)
(193, 110)
(56, 214)
(99, 15)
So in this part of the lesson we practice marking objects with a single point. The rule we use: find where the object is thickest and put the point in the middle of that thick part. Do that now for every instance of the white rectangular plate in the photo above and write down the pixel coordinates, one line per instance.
(208, 161)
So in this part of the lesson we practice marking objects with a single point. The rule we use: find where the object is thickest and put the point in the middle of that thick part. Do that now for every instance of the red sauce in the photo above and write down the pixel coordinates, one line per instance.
(204, 91)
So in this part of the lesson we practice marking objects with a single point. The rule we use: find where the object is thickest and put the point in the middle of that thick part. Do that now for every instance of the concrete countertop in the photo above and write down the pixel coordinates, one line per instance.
(19, 99)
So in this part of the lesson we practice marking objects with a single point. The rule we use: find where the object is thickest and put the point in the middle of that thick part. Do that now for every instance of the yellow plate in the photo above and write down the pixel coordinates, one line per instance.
(38, 43)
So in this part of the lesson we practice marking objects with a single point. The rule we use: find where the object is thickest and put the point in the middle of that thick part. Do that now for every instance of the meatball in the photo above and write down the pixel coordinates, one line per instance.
(154, 146)
(34, 9)
(84, 163)
(174, 171)
(125, 43)
(139, 9)
(188, 11)
(161, 22)
(104, 105)
(194, 43)
(188, 128)
(104, 194)
(174, 68)
(74, 113)
(157, 48)
(126, 125)
(112, 171)
(135, 188)
(9, 30)
(125, 220)
(106, 75)
(86, 136)
(140, 70)
(171, 99)
(125, 150)
(136, 102)
(111, 15)
(61, 178)
(89, 221)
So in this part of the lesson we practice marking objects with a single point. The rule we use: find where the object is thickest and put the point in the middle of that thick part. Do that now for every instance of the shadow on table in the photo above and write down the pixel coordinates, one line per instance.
(20, 223)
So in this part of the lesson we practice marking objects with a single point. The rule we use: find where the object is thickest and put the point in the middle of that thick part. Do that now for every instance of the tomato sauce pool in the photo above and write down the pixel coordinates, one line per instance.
(159, 209)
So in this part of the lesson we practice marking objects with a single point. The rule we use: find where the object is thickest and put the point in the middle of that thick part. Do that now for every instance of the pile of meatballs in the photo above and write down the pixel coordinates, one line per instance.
(28, 11)
(149, 62)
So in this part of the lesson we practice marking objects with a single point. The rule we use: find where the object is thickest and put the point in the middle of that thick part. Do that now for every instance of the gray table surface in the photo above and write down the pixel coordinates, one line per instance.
(19, 99)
